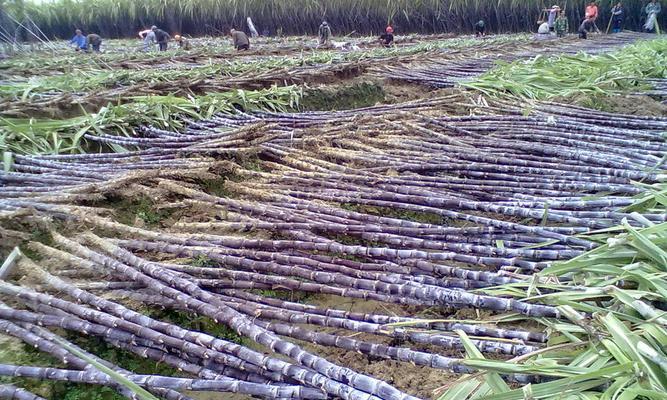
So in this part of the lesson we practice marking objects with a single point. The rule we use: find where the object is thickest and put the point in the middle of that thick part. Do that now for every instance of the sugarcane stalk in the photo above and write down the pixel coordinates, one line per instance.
(11, 392)
(220, 312)
(221, 384)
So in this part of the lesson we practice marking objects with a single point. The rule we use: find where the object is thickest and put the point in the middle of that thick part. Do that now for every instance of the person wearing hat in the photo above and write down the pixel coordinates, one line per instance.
(148, 36)
(387, 38)
(183, 43)
(161, 37)
(551, 19)
(324, 33)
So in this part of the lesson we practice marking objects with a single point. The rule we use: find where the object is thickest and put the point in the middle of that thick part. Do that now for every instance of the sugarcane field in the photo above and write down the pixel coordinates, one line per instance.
(333, 199)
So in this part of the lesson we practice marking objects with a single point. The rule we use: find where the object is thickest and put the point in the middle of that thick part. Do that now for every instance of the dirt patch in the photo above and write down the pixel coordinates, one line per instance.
(397, 92)
(330, 98)
(419, 381)
(623, 104)
(422, 382)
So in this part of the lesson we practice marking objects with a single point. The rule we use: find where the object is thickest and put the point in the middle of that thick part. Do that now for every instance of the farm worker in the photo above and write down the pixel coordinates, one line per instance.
(241, 41)
(591, 11)
(95, 41)
(553, 14)
(592, 14)
(161, 37)
(387, 38)
(148, 36)
(79, 40)
(183, 43)
(480, 28)
(585, 27)
(324, 33)
(652, 10)
(561, 25)
(543, 29)
(617, 17)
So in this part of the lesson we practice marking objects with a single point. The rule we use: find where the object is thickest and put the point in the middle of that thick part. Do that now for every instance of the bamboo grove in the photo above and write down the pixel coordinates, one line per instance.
(512, 243)
(124, 18)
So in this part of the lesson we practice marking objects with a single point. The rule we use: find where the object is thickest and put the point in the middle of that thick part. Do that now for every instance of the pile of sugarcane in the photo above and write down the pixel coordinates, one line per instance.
(62, 84)
(27, 98)
(451, 69)
(400, 204)
(658, 88)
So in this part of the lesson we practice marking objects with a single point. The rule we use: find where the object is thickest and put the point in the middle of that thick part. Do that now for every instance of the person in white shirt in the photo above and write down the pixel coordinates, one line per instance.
(544, 28)
(148, 37)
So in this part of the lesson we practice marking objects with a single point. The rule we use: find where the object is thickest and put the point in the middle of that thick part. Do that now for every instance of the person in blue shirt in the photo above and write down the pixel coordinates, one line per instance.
(79, 40)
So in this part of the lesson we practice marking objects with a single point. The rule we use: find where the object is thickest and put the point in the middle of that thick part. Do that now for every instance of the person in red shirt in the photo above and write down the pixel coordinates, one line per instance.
(592, 11)
(592, 14)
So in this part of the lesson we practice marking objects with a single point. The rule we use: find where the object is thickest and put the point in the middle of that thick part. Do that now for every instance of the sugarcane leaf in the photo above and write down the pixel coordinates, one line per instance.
(647, 247)
(495, 382)
(565, 386)
(628, 346)
(7, 160)
(461, 390)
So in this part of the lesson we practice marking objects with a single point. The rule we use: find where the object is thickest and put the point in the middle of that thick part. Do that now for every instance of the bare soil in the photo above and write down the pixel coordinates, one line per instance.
(634, 105)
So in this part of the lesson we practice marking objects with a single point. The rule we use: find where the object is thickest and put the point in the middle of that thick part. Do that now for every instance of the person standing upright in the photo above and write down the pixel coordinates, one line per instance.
(592, 14)
(652, 10)
(617, 18)
(553, 14)
(561, 25)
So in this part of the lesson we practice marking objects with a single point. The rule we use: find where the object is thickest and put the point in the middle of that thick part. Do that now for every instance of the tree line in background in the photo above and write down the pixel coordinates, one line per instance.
(123, 18)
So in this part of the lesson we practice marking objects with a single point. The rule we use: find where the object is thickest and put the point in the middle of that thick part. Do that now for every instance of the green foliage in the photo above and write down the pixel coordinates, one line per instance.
(286, 295)
(105, 71)
(121, 358)
(145, 209)
(215, 187)
(87, 392)
(52, 390)
(612, 347)
(202, 261)
(348, 97)
(197, 323)
(56, 136)
(30, 136)
(581, 74)
(127, 210)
